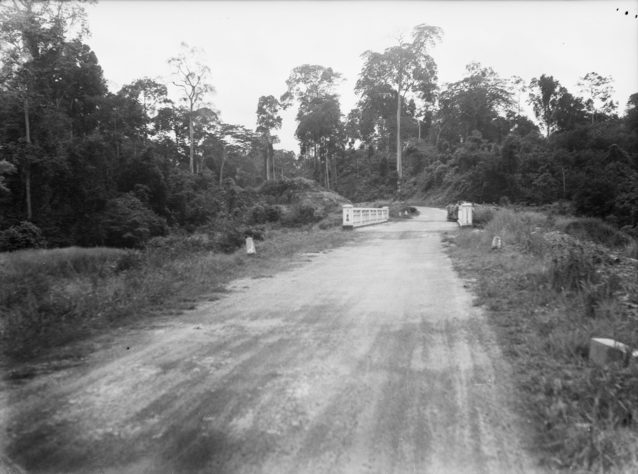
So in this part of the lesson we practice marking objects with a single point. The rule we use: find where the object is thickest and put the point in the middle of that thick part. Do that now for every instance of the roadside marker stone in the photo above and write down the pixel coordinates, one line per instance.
(250, 246)
(465, 214)
(604, 351)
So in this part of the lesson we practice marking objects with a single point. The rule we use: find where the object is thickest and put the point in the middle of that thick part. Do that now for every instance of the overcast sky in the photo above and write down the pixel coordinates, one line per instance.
(251, 47)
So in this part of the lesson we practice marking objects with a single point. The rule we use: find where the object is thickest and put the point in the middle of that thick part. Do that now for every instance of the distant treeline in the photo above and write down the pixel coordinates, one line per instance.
(80, 165)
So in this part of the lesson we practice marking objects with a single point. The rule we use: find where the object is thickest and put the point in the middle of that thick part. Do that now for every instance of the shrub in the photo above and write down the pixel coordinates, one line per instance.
(481, 215)
(227, 236)
(256, 232)
(257, 214)
(598, 231)
(273, 213)
(284, 190)
(22, 236)
(128, 223)
(261, 214)
(300, 215)
(572, 270)
(595, 199)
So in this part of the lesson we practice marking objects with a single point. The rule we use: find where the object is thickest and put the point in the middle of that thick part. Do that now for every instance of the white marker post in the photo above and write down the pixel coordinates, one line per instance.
(250, 246)
(465, 214)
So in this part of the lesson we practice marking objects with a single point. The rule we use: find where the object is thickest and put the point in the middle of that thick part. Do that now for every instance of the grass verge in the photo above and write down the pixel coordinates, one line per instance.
(546, 294)
(51, 297)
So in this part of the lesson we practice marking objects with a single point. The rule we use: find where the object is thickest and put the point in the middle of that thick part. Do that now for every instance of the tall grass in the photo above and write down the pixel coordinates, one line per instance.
(547, 299)
(49, 297)
(597, 231)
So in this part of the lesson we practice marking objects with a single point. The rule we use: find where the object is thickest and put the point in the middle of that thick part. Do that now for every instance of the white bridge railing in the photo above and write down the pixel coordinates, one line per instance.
(360, 216)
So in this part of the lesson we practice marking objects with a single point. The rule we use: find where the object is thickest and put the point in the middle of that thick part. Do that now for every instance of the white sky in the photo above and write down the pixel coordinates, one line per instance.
(251, 46)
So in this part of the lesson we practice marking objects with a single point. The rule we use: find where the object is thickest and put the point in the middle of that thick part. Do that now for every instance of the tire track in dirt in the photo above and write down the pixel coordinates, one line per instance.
(369, 358)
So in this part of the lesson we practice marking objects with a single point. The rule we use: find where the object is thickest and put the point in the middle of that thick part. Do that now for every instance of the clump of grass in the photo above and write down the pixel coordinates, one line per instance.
(631, 249)
(546, 303)
(571, 270)
(59, 262)
(49, 297)
(482, 215)
(597, 231)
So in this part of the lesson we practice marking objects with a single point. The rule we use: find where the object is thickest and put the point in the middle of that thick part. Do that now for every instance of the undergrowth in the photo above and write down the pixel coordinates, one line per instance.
(547, 298)
(50, 297)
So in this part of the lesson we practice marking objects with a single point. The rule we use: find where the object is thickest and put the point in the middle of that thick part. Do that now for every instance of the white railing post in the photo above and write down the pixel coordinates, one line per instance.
(348, 216)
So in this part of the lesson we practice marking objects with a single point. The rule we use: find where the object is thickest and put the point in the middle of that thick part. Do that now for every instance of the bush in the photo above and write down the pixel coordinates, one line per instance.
(128, 223)
(598, 231)
(595, 199)
(22, 236)
(300, 215)
(261, 214)
(273, 213)
(572, 270)
(257, 214)
(284, 190)
(482, 215)
(256, 232)
(227, 235)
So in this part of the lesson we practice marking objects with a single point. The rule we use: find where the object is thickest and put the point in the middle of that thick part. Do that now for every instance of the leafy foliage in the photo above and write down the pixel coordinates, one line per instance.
(128, 223)
(22, 236)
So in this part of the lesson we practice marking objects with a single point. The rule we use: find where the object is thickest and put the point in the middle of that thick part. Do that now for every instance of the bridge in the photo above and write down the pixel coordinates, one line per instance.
(368, 358)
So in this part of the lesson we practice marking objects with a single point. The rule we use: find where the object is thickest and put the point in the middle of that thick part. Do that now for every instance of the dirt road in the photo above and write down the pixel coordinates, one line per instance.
(369, 358)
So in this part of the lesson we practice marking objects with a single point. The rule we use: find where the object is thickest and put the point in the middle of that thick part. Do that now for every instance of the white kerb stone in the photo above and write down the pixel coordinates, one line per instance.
(250, 246)
(604, 351)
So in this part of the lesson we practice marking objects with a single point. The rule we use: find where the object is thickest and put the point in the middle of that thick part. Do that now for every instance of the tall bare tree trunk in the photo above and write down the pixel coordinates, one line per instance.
(267, 161)
(399, 164)
(327, 172)
(221, 167)
(271, 152)
(190, 136)
(27, 167)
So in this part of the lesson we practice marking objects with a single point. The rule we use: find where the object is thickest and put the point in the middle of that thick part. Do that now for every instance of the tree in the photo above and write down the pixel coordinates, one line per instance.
(321, 125)
(192, 77)
(632, 112)
(475, 103)
(150, 94)
(518, 87)
(406, 68)
(319, 115)
(231, 141)
(308, 82)
(569, 111)
(598, 92)
(353, 127)
(5, 168)
(542, 96)
(268, 119)
(29, 31)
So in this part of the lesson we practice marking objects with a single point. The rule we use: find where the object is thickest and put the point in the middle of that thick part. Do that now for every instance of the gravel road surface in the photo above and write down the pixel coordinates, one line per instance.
(368, 358)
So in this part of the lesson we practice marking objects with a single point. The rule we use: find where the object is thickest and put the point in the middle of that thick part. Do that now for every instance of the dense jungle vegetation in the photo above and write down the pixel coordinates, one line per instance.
(83, 165)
